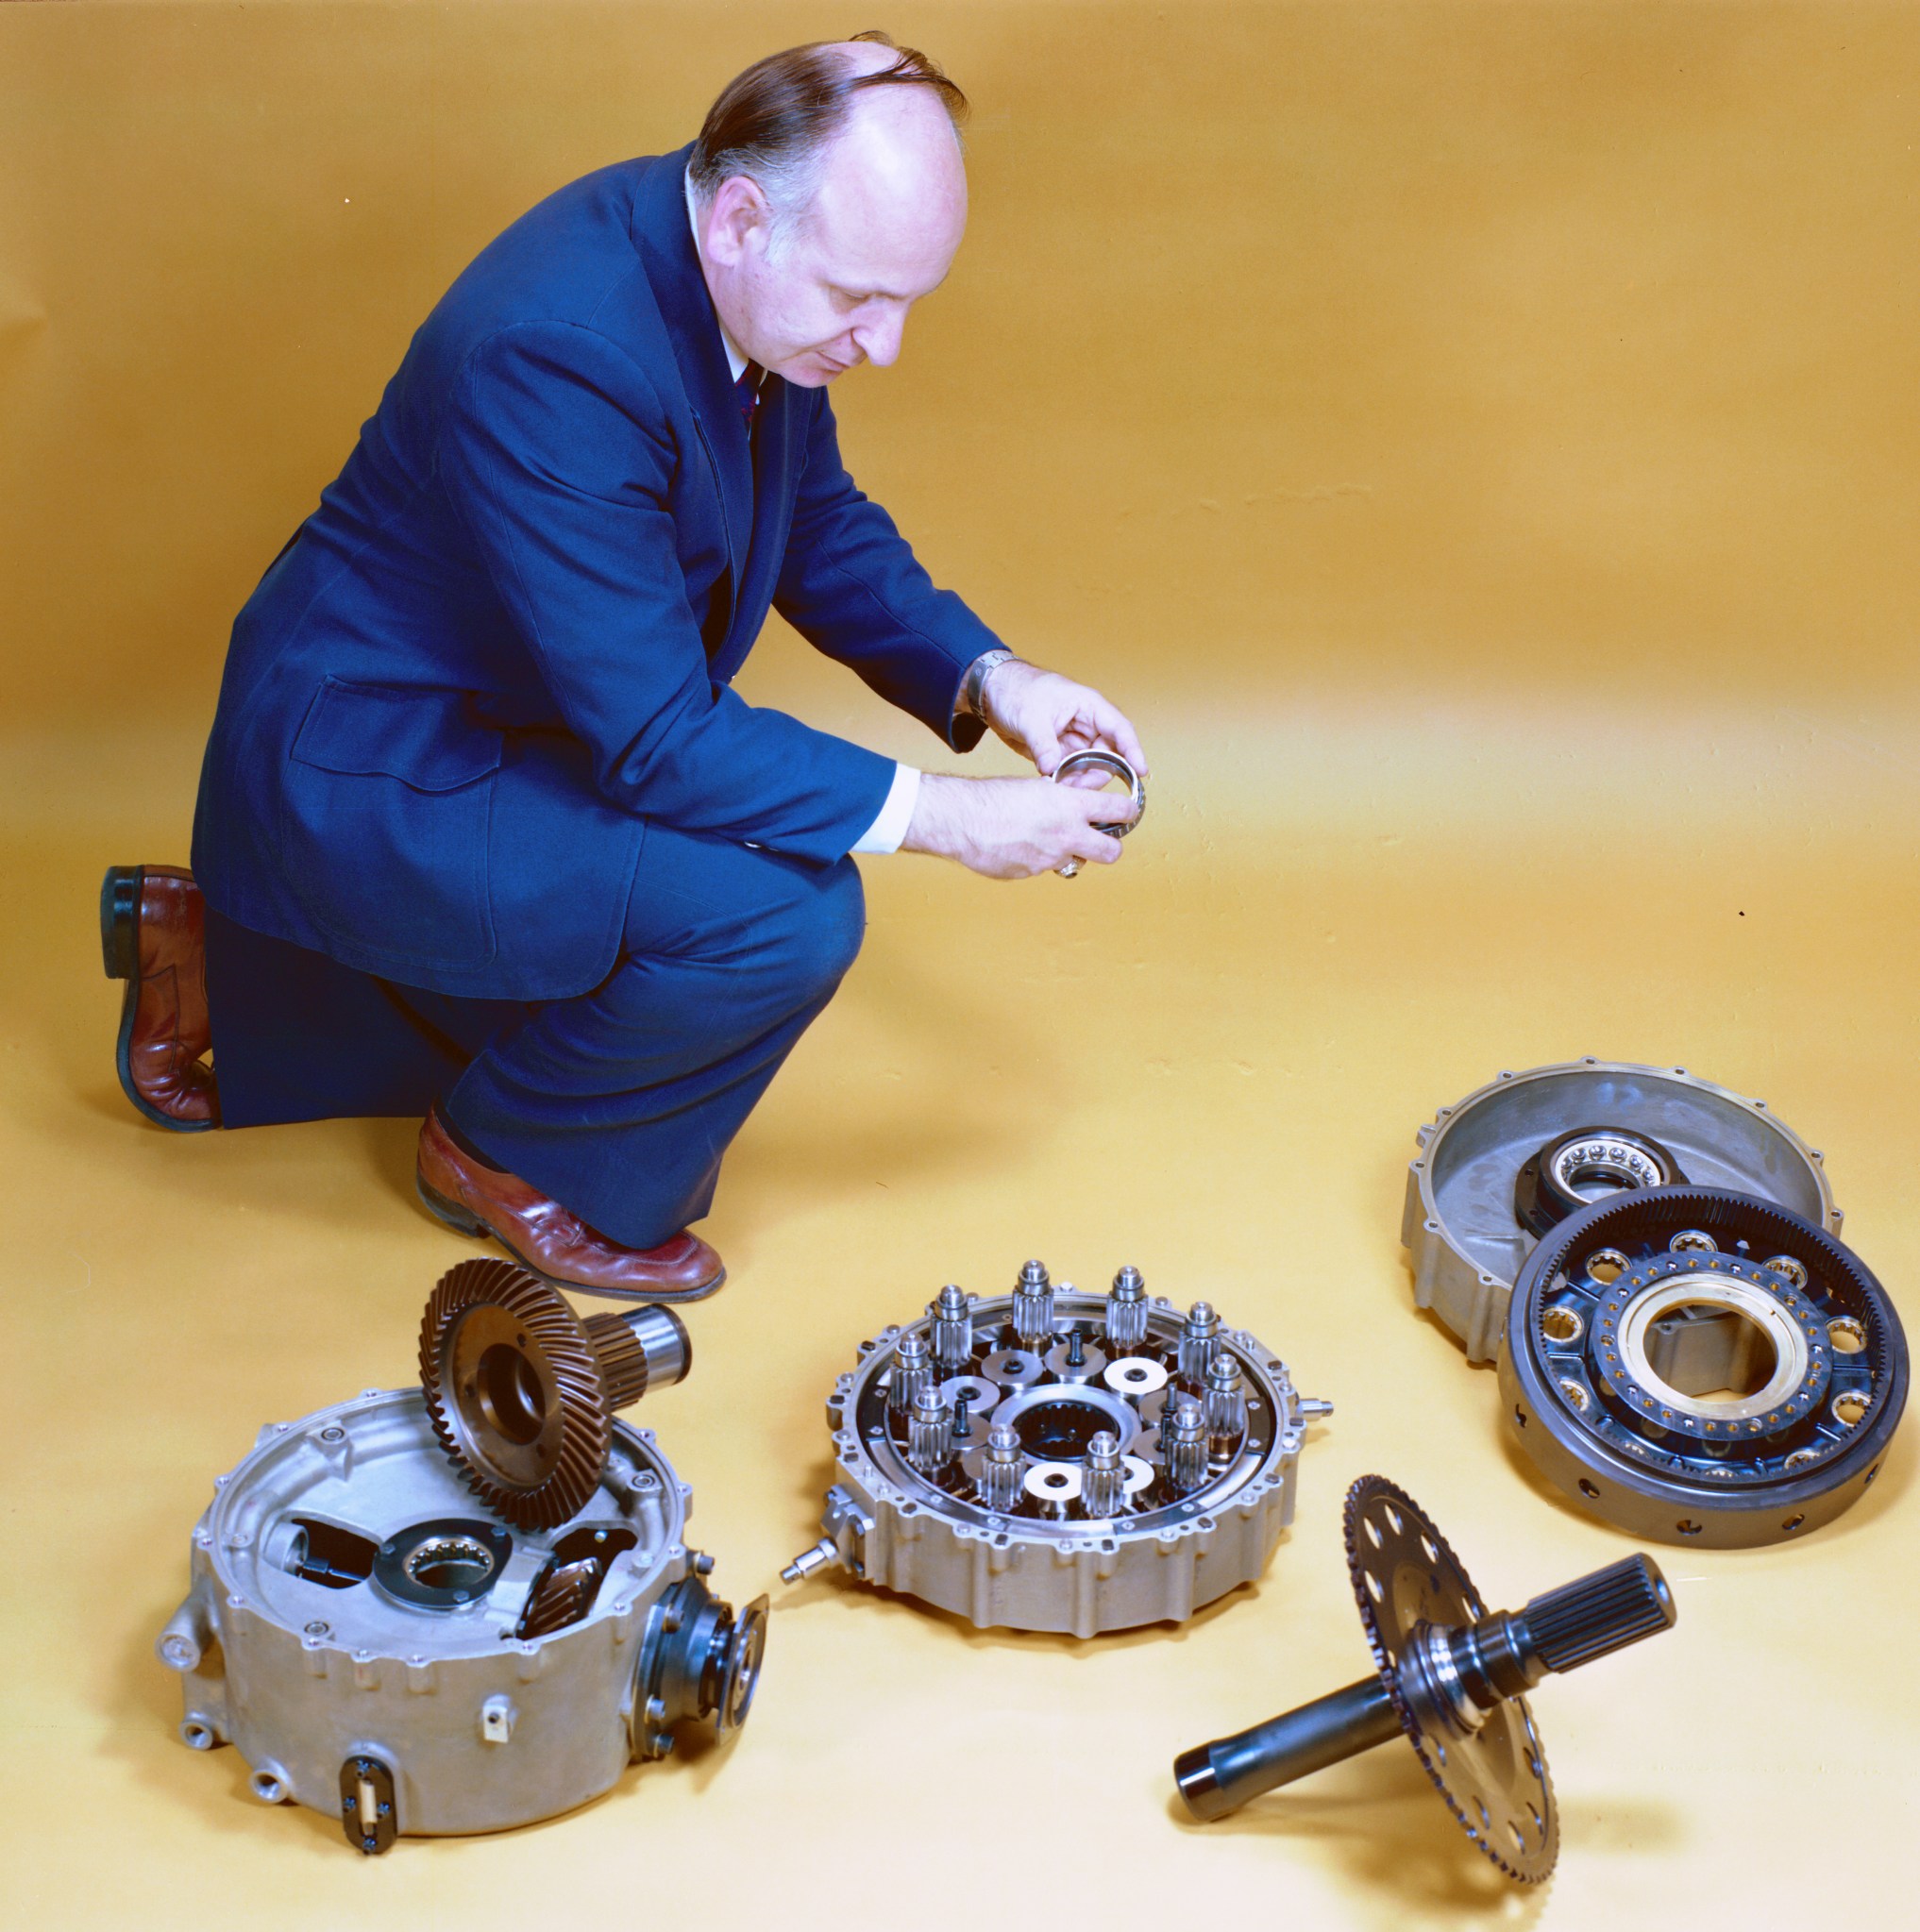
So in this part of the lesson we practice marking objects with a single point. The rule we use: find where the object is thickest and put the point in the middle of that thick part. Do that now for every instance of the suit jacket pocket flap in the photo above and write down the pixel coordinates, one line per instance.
(422, 736)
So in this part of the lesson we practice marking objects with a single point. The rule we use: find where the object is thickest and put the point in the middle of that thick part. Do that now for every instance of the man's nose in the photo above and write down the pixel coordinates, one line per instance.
(879, 340)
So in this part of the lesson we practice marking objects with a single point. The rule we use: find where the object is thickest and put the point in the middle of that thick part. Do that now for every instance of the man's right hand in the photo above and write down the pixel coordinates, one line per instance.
(1013, 827)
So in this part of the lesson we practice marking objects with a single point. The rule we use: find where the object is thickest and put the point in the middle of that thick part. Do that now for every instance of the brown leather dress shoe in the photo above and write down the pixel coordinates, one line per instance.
(556, 1244)
(153, 934)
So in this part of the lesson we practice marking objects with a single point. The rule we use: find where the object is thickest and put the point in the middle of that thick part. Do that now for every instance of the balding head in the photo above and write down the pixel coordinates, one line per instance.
(830, 195)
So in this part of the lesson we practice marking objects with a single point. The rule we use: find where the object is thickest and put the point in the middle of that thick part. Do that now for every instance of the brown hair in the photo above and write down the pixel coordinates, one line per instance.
(771, 122)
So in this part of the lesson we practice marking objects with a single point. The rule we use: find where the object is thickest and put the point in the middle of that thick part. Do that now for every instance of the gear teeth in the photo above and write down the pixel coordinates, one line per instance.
(559, 1336)
(622, 1359)
(560, 1597)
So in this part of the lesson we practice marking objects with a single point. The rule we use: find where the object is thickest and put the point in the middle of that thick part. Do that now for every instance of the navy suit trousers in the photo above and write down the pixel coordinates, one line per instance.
(618, 1103)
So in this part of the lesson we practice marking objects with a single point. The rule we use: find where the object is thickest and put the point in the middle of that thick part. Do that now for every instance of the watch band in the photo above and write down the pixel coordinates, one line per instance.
(968, 704)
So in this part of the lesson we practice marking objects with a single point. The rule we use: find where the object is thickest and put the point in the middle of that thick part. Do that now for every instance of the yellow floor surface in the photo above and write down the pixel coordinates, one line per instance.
(1477, 444)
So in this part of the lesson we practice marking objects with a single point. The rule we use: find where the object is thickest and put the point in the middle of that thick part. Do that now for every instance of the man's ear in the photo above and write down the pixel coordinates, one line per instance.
(738, 214)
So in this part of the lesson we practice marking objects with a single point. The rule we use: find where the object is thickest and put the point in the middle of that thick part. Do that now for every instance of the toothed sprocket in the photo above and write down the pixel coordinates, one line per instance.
(1494, 1779)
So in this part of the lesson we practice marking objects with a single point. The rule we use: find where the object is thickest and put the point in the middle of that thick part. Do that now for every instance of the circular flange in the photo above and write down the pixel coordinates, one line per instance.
(1463, 1243)
(1494, 1777)
(1703, 1367)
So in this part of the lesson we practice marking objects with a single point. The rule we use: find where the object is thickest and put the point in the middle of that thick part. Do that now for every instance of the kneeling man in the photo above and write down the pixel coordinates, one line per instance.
(484, 834)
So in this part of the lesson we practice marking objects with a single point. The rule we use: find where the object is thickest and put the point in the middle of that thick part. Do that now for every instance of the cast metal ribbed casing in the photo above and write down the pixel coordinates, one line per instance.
(889, 1524)
(480, 1727)
(1464, 1245)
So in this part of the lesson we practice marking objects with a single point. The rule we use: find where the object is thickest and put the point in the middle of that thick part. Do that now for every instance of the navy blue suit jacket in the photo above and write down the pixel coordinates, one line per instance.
(503, 643)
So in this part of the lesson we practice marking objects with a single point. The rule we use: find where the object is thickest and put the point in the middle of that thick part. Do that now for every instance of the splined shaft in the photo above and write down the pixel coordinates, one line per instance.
(1226, 1402)
(1183, 1445)
(1199, 1339)
(912, 1371)
(1103, 1481)
(1033, 1305)
(929, 1432)
(1448, 1680)
(1002, 1468)
(1126, 1311)
(953, 1322)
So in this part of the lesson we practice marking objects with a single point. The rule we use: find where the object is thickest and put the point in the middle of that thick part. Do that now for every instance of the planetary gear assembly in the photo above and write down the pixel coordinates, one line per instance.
(1494, 1172)
(1449, 1676)
(1698, 1367)
(1050, 1459)
(465, 1607)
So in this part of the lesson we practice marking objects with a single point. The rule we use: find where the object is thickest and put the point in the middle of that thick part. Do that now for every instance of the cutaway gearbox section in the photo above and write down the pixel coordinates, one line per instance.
(1056, 1460)
(470, 1605)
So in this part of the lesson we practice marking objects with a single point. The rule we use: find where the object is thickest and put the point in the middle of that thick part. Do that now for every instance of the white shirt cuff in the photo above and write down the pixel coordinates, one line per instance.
(885, 833)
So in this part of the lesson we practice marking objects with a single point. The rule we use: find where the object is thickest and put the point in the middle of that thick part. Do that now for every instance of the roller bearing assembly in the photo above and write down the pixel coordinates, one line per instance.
(381, 1647)
(1705, 1368)
(1054, 1460)
(1497, 1170)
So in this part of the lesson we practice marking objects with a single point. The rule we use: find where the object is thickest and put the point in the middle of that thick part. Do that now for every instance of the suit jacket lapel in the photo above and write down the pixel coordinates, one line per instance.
(673, 269)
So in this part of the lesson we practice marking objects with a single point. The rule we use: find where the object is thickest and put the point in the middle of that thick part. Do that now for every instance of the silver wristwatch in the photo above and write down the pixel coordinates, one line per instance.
(970, 703)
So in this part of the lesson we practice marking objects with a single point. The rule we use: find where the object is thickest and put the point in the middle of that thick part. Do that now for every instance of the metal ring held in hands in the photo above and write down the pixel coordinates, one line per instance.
(1114, 765)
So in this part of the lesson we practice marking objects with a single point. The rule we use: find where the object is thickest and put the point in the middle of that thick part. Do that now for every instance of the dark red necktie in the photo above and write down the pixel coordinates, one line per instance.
(747, 393)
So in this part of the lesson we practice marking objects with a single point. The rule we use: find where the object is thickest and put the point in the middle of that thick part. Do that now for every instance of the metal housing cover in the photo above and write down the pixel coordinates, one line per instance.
(412, 1675)
(1465, 1247)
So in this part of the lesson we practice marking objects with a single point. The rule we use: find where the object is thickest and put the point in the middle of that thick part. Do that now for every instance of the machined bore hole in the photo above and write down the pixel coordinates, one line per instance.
(1710, 1353)
(1392, 1515)
(1687, 1527)
(1373, 1589)
(1519, 1839)
(1693, 1241)
(267, 1788)
(1851, 1407)
(1606, 1264)
(508, 1394)
(1847, 1336)
(1587, 1488)
(1060, 1431)
(1792, 1522)
(1426, 1544)
(449, 1563)
(196, 1737)
(1576, 1393)
(1801, 1459)
(1561, 1325)
(1789, 1270)
(1372, 1529)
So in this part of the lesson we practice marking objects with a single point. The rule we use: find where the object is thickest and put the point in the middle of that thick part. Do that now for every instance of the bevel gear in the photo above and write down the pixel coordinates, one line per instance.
(521, 1390)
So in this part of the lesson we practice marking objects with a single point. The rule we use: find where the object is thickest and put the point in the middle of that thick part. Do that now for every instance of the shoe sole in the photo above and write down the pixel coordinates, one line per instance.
(120, 894)
(461, 1222)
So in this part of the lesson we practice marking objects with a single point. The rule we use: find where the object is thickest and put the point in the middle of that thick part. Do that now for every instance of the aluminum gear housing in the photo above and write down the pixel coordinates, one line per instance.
(1465, 1245)
(377, 1648)
(1044, 1565)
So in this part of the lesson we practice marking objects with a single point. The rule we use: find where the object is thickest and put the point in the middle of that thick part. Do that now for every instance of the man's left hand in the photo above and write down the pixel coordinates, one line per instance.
(1046, 717)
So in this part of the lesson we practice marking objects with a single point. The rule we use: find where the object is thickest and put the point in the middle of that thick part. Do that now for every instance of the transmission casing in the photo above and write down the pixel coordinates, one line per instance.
(379, 1648)
(1046, 1562)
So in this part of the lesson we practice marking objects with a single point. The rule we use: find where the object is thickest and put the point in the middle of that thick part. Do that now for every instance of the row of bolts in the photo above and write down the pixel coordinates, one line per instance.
(1192, 1429)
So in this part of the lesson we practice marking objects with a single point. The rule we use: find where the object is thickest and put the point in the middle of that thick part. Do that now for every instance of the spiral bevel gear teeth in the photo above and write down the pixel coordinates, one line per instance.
(562, 1463)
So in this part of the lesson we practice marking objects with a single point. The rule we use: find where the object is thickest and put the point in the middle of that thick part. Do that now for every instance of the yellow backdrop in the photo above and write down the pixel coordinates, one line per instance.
(1479, 444)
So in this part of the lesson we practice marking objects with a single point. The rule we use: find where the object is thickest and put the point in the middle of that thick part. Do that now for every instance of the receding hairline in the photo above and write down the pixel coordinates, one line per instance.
(773, 122)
